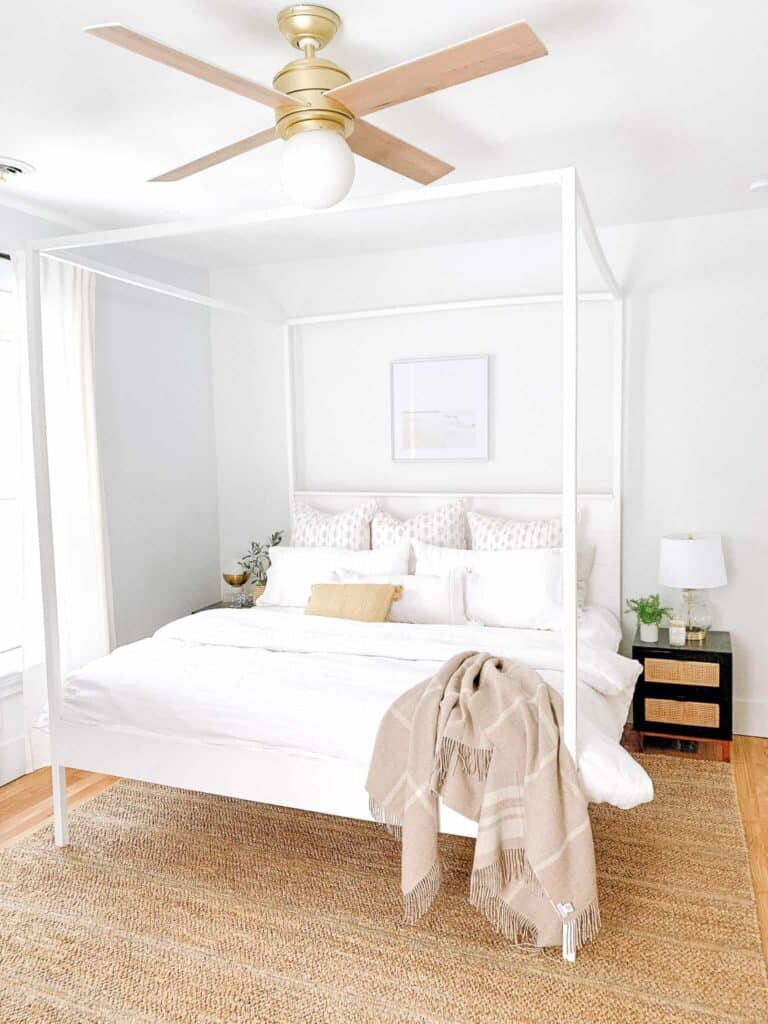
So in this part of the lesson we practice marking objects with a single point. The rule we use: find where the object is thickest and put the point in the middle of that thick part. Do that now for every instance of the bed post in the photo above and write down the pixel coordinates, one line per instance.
(290, 429)
(618, 437)
(570, 359)
(570, 456)
(45, 535)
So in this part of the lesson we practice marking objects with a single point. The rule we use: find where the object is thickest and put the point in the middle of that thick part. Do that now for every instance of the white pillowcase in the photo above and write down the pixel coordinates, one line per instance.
(431, 558)
(294, 570)
(445, 526)
(497, 533)
(522, 591)
(349, 529)
(434, 600)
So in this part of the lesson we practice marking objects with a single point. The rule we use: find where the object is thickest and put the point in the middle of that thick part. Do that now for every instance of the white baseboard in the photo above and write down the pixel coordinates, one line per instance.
(750, 717)
(13, 759)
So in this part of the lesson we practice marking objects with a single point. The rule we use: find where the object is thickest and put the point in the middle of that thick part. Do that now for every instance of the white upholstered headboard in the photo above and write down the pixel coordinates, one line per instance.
(599, 523)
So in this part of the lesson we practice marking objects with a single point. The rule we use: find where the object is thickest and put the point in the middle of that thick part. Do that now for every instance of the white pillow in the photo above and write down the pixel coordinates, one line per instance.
(523, 591)
(434, 600)
(431, 558)
(496, 533)
(445, 526)
(294, 570)
(349, 529)
(435, 560)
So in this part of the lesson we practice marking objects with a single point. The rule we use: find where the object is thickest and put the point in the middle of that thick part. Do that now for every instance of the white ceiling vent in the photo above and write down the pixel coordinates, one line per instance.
(11, 168)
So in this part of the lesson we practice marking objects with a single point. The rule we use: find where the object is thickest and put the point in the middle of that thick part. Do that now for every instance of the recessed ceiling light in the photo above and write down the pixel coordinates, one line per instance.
(10, 168)
(759, 184)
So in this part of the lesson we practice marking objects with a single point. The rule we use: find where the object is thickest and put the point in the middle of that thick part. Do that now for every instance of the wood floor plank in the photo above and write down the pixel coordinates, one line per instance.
(27, 803)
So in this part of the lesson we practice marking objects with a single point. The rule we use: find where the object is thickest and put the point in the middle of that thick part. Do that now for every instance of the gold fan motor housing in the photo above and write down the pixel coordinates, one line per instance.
(309, 27)
(302, 23)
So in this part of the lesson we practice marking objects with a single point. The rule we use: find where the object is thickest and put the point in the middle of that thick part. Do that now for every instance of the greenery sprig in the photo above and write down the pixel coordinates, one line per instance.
(256, 561)
(649, 610)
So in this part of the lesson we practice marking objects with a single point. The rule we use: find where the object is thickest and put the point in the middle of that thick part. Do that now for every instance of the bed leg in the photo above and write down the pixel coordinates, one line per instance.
(60, 811)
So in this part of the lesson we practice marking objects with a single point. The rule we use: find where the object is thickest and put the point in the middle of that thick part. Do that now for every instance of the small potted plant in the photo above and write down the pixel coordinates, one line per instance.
(650, 612)
(256, 561)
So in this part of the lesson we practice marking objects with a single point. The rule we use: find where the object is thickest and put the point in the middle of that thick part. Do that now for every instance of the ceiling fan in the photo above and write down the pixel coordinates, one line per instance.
(319, 109)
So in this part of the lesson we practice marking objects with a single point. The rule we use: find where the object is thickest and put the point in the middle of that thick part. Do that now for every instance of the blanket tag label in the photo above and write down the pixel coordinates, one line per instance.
(564, 909)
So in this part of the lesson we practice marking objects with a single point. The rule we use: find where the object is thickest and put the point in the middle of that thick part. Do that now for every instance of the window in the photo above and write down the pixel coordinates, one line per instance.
(10, 471)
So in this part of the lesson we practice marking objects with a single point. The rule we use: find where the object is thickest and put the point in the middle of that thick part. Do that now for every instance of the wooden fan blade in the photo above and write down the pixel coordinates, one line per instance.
(382, 148)
(494, 51)
(120, 35)
(218, 156)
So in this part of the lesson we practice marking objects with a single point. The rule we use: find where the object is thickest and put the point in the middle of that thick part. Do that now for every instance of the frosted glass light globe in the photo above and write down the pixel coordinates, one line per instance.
(317, 168)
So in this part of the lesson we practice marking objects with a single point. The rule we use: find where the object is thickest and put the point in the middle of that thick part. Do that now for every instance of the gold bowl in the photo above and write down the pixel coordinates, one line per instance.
(235, 579)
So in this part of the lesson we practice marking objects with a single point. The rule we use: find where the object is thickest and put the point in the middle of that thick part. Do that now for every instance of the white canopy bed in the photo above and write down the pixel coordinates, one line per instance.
(211, 741)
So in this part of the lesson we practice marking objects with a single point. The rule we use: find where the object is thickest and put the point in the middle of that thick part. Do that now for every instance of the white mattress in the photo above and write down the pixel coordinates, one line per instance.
(278, 678)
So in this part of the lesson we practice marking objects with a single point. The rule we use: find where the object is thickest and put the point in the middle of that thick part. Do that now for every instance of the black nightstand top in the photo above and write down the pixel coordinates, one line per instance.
(718, 642)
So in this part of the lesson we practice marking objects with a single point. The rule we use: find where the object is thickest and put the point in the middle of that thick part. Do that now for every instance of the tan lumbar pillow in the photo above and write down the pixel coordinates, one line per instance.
(365, 602)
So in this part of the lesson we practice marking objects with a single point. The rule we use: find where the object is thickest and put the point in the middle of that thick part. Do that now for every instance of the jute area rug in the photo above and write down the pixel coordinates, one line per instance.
(172, 906)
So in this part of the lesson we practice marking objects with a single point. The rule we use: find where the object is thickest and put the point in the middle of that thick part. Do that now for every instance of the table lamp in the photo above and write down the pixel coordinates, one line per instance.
(693, 563)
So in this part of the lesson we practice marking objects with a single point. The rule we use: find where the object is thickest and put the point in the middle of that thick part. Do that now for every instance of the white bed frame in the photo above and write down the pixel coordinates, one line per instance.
(302, 781)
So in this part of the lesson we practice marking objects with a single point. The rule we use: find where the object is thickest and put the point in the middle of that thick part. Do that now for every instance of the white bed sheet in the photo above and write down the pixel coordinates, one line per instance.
(328, 683)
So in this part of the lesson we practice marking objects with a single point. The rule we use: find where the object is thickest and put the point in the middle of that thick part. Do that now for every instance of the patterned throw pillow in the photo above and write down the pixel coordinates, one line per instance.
(349, 529)
(445, 526)
(496, 533)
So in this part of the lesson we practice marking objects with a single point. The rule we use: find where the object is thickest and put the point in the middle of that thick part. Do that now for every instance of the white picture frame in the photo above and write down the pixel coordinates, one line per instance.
(439, 409)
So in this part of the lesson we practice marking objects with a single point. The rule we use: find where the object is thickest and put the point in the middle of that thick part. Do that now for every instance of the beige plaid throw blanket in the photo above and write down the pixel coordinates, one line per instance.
(484, 734)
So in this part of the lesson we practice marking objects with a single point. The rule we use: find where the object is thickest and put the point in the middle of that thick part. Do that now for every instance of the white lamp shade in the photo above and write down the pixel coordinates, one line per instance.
(317, 168)
(692, 562)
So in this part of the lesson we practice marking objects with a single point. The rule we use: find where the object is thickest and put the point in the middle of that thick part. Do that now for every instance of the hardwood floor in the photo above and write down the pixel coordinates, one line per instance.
(750, 766)
(26, 804)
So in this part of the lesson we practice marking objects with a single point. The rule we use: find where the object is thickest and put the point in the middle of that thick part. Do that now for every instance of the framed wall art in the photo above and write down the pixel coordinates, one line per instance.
(439, 409)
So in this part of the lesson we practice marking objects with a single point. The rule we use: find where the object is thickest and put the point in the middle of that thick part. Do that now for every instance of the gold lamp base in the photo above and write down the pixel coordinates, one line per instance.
(695, 636)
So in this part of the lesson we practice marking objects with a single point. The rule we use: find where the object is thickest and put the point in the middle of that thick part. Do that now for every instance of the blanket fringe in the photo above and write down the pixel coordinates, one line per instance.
(453, 754)
(511, 865)
(509, 922)
(391, 823)
(419, 899)
(583, 927)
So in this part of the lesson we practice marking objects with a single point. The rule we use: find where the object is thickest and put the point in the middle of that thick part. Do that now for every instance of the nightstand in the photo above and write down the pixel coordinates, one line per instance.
(208, 607)
(685, 692)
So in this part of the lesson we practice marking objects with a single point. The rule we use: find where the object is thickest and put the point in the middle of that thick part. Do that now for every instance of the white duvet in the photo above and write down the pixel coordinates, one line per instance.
(329, 681)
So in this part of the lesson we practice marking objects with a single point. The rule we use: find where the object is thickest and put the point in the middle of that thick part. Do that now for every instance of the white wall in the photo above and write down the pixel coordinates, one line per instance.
(249, 417)
(342, 399)
(696, 394)
(697, 416)
(155, 420)
(156, 436)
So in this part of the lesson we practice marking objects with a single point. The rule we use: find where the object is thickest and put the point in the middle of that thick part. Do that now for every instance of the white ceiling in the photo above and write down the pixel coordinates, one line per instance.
(662, 105)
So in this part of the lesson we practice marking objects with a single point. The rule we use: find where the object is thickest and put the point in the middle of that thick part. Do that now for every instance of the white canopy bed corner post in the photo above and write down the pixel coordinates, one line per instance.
(290, 429)
(569, 426)
(34, 326)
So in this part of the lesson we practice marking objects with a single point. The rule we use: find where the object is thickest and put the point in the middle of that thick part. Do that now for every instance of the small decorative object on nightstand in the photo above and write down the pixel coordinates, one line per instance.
(236, 577)
(685, 693)
(676, 633)
(649, 612)
(257, 562)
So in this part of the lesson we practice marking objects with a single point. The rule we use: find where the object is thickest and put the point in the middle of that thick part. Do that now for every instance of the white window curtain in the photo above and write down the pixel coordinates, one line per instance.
(83, 581)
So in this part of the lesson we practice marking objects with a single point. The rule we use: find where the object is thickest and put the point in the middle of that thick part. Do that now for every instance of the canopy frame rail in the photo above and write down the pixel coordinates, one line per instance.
(575, 220)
